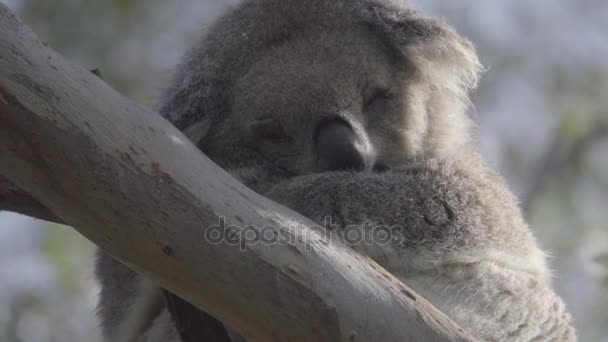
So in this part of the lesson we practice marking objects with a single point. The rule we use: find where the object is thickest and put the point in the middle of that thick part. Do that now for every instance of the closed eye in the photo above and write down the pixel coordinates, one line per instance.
(270, 130)
(377, 95)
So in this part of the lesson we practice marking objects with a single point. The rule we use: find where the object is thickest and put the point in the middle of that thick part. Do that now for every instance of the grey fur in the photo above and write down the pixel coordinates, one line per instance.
(250, 95)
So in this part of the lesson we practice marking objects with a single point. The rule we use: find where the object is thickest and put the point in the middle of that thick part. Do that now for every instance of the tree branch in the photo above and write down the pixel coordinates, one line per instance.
(134, 185)
(14, 199)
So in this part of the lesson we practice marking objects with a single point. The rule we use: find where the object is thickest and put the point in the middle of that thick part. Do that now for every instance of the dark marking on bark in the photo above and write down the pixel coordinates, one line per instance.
(97, 73)
(408, 294)
(290, 269)
(156, 168)
(168, 250)
(42, 91)
(126, 157)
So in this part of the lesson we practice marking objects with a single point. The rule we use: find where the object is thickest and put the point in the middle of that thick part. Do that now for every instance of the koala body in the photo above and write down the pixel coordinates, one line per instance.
(353, 112)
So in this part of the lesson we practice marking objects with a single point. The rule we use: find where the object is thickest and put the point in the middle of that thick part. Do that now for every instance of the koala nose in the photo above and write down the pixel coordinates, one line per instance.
(337, 148)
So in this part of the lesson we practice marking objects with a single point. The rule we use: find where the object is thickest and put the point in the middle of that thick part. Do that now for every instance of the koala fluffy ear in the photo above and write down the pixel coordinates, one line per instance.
(443, 63)
(442, 58)
(194, 98)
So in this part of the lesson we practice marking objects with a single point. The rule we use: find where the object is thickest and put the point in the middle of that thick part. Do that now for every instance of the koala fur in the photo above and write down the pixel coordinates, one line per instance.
(252, 95)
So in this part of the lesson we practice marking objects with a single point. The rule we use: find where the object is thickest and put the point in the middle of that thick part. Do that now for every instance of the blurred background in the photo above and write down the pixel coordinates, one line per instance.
(542, 113)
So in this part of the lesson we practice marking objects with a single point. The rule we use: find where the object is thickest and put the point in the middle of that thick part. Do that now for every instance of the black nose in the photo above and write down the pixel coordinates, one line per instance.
(336, 147)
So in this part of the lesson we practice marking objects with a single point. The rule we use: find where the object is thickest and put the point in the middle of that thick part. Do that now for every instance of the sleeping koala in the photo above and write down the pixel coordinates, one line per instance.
(353, 112)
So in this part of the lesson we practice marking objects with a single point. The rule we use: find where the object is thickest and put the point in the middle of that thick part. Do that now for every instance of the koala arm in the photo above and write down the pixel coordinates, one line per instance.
(452, 215)
(457, 237)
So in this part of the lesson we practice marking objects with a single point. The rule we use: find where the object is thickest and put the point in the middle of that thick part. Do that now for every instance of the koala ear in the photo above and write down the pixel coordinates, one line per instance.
(197, 131)
(441, 62)
(443, 58)
(194, 98)
(192, 121)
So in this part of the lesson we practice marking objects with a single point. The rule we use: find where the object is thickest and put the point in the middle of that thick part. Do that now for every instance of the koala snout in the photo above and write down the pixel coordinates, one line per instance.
(337, 147)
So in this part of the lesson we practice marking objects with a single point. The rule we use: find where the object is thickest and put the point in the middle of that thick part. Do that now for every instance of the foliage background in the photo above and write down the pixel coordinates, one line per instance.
(542, 110)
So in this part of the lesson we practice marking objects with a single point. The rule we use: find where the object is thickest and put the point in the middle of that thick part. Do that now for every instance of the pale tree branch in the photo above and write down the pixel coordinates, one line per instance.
(135, 186)
(14, 199)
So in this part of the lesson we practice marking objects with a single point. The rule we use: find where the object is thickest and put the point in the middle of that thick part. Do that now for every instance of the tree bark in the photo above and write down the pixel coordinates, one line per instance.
(78, 152)
(14, 199)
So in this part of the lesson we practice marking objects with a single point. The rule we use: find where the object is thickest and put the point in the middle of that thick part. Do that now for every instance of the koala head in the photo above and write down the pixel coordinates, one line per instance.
(298, 87)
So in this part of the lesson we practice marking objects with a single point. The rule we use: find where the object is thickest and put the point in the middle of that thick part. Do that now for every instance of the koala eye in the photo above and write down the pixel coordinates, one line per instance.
(268, 129)
(375, 96)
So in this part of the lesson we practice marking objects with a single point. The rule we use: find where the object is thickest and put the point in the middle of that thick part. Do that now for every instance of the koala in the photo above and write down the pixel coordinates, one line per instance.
(354, 114)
